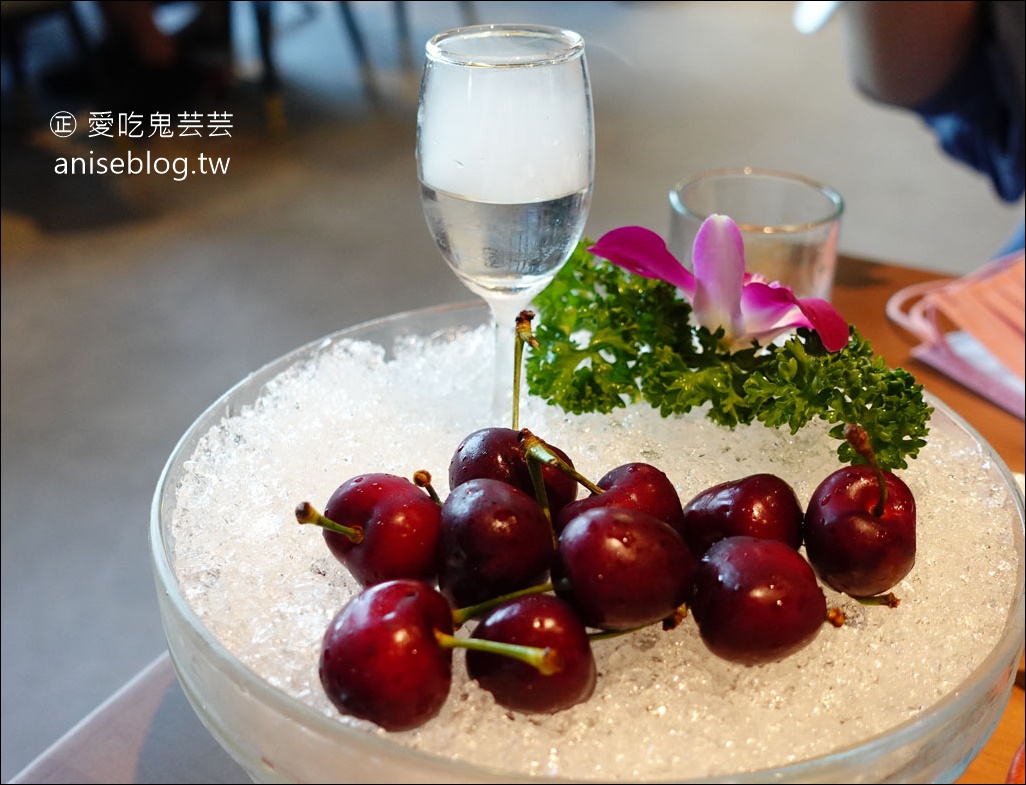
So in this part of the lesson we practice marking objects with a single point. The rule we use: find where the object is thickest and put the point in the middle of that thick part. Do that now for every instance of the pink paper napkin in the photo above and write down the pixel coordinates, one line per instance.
(987, 352)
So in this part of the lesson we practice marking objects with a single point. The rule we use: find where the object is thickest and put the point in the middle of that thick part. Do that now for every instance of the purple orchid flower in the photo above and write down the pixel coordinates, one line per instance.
(747, 306)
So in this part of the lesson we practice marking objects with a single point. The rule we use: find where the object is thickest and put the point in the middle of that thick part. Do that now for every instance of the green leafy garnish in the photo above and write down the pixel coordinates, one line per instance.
(609, 338)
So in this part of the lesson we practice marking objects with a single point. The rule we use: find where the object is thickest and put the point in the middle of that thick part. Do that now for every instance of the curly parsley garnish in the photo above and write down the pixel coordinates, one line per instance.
(609, 338)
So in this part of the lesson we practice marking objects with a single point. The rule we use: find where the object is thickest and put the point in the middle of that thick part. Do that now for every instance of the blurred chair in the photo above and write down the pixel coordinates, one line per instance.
(402, 25)
(17, 19)
(271, 80)
(264, 11)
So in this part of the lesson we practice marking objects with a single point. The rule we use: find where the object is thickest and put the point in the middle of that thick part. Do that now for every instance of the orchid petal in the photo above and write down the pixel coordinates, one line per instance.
(719, 263)
(827, 322)
(767, 307)
(722, 294)
(643, 252)
(771, 310)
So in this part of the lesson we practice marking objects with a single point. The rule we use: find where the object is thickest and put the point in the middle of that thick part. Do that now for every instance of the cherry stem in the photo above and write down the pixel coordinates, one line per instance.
(307, 513)
(422, 479)
(523, 335)
(889, 599)
(538, 481)
(546, 661)
(461, 615)
(536, 449)
(858, 438)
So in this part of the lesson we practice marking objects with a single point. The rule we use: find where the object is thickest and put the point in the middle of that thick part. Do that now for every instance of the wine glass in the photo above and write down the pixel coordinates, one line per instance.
(505, 158)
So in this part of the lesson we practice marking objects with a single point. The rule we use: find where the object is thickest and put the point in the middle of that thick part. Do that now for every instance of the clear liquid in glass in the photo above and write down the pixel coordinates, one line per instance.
(506, 249)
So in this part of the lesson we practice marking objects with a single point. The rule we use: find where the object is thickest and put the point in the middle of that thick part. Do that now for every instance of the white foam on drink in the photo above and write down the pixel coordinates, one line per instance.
(664, 706)
(506, 135)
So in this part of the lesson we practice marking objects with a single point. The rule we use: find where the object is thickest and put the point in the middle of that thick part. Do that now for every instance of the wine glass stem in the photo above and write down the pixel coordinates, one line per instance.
(504, 316)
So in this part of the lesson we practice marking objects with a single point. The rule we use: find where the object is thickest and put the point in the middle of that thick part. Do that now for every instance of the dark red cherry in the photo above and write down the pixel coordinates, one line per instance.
(759, 505)
(637, 486)
(493, 539)
(496, 454)
(380, 658)
(856, 546)
(756, 601)
(543, 621)
(397, 525)
(622, 568)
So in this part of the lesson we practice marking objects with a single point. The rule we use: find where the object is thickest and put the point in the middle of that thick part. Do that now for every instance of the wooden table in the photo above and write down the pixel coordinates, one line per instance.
(861, 292)
(148, 732)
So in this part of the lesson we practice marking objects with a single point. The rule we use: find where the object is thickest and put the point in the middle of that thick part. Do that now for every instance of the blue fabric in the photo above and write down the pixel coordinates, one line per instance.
(979, 118)
(978, 121)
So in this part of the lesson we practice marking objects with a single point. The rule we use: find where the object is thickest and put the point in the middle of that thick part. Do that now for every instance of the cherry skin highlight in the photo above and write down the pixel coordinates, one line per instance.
(544, 621)
(855, 547)
(380, 659)
(637, 486)
(622, 568)
(756, 601)
(496, 453)
(400, 525)
(493, 539)
(759, 505)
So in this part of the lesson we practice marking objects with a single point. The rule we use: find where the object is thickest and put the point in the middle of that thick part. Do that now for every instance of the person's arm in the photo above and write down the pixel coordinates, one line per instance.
(902, 53)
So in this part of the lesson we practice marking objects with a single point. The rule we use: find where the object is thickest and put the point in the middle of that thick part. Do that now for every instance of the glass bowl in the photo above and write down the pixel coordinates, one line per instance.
(276, 737)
